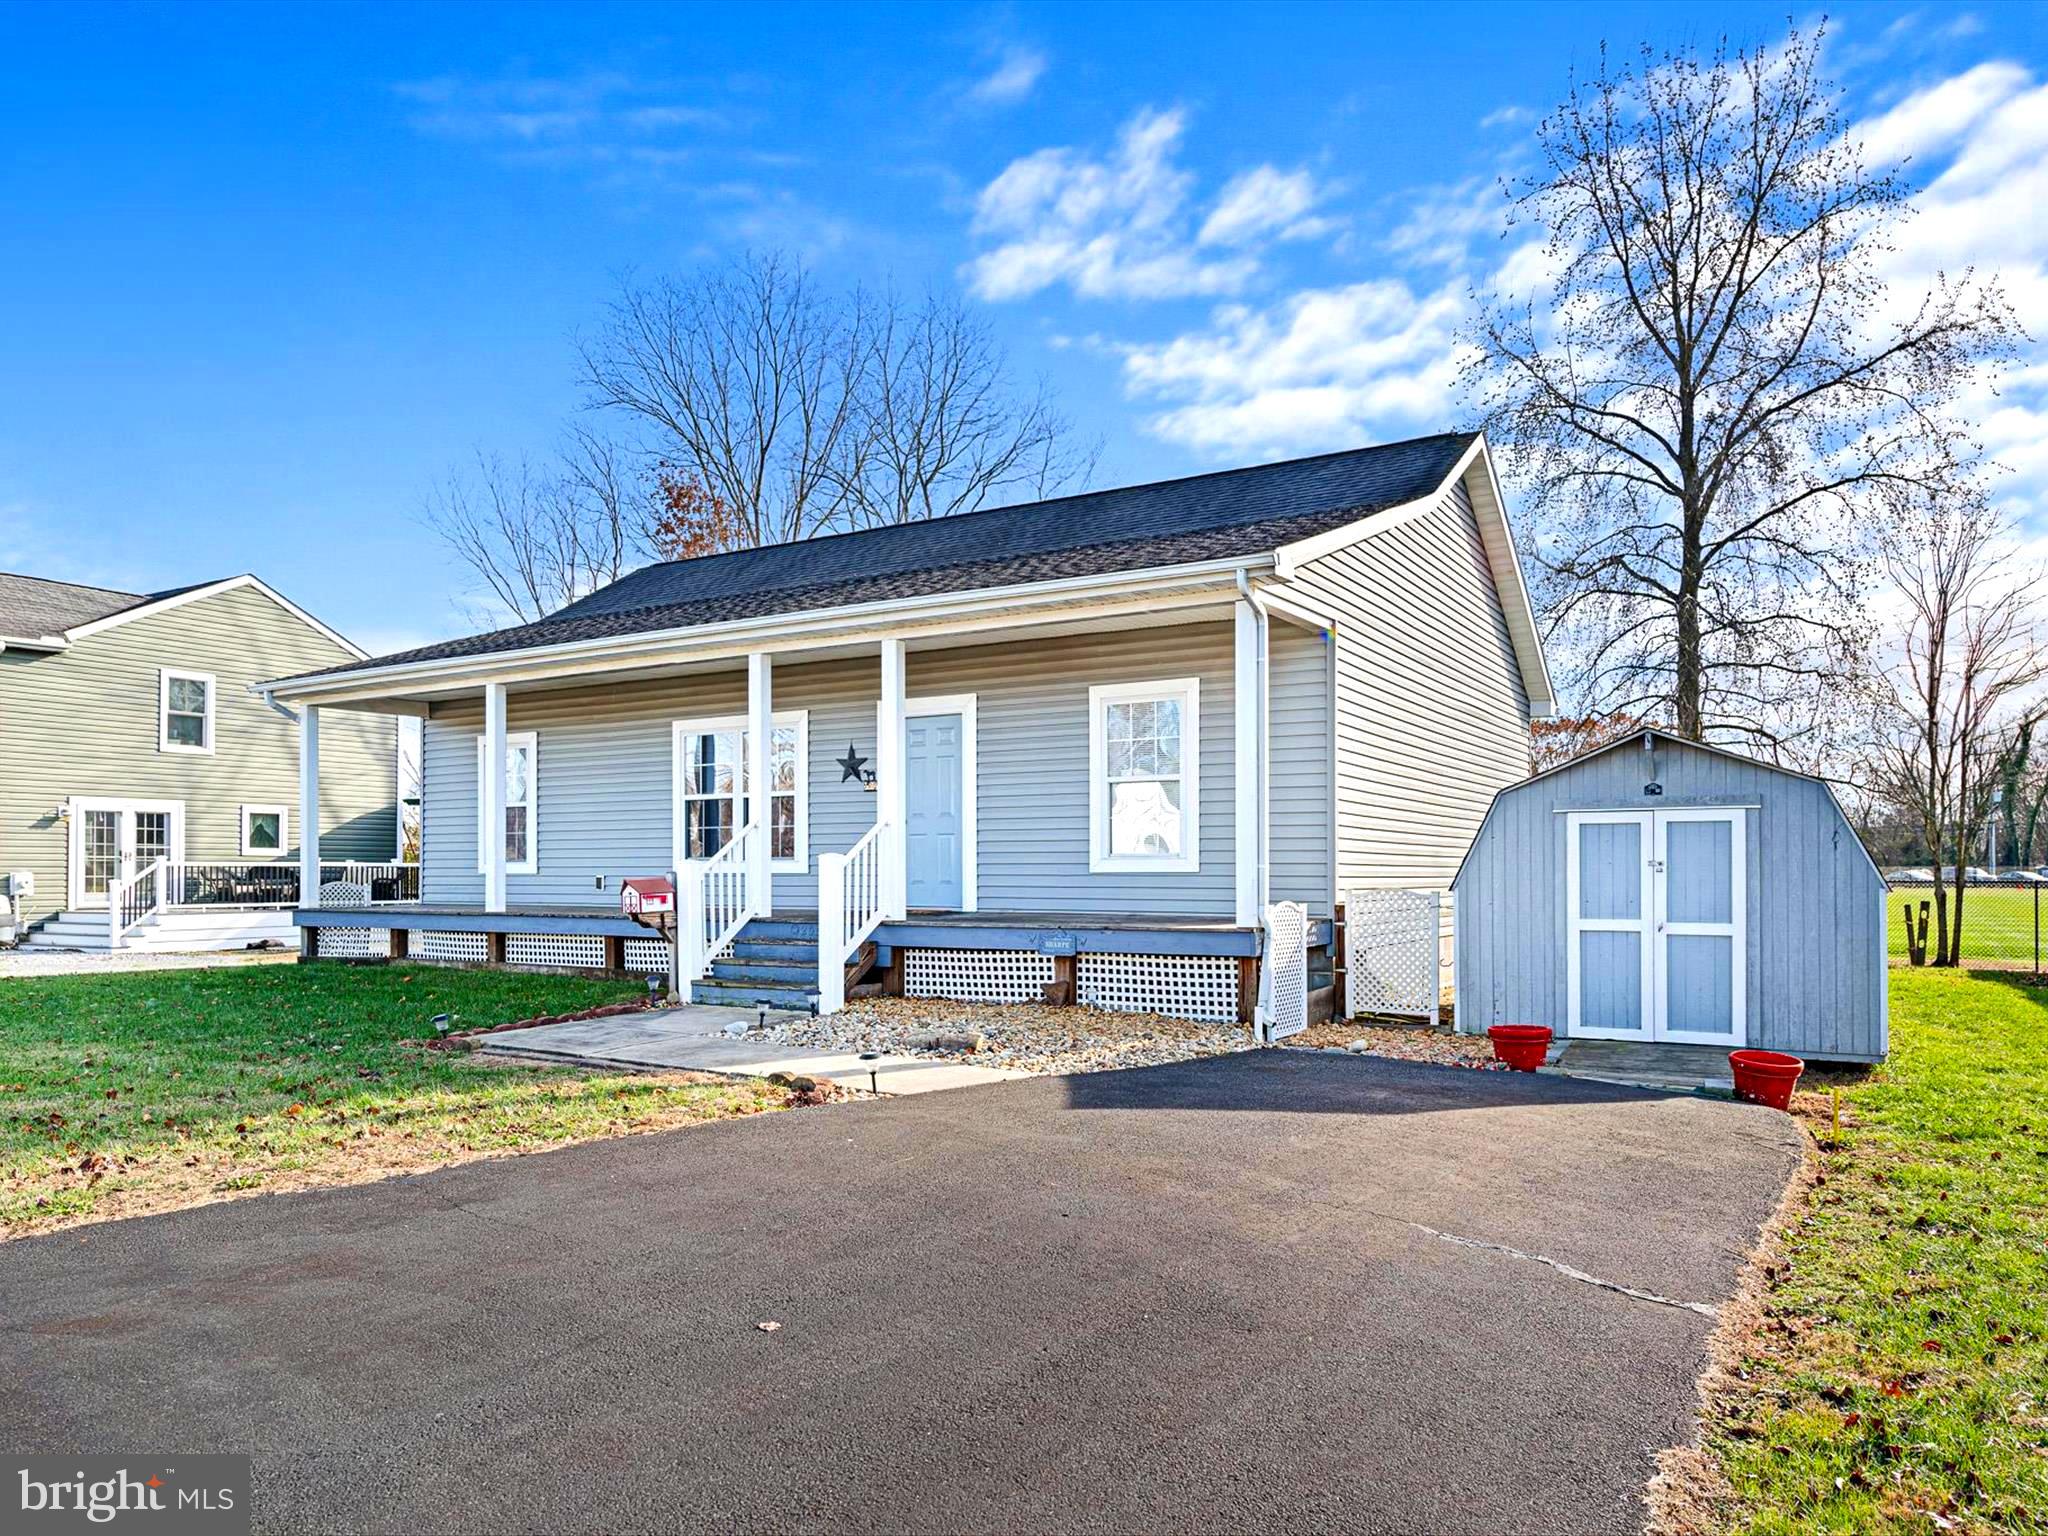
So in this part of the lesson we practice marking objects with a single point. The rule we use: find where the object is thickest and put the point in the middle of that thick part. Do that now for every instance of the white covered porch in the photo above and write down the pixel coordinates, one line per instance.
(801, 853)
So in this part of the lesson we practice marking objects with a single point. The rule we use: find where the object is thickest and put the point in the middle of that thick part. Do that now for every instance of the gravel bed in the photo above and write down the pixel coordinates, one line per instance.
(1442, 1047)
(87, 962)
(1022, 1037)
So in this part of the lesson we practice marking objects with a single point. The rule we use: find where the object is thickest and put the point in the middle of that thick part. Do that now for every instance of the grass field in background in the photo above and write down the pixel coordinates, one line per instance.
(1900, 1380)
(1998, 922)
(128, 1092)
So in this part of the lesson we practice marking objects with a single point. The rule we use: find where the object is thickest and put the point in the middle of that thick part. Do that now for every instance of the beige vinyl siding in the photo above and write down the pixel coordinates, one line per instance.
(84, 722)
(1433, 716)
(605, 775)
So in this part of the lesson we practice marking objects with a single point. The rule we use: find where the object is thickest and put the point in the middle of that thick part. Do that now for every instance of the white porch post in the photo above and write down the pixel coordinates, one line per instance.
(760, 734)
(892, 804)
(492, 794)
(309, 805)
(1247, 811)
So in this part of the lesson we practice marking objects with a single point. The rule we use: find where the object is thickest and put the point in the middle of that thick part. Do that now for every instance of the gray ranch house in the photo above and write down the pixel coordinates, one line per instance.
(1079, 748)
(149, 797)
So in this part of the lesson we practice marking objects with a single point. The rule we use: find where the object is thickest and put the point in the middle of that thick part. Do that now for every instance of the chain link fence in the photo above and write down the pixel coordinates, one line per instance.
(2001, 918)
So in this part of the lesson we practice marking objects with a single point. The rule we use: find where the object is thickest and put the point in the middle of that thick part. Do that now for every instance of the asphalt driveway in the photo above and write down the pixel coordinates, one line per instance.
(1243, 1293)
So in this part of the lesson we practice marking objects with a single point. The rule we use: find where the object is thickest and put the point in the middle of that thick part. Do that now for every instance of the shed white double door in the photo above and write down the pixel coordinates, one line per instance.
(1656, 936)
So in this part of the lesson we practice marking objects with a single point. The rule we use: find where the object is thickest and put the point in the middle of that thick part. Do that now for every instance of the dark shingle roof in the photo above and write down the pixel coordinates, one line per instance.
(1238, 512)
(34, 607)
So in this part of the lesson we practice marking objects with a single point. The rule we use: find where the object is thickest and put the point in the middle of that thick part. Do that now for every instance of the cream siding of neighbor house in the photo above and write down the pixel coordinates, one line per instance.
(606, 785)
(1432, 708)
(85, 722)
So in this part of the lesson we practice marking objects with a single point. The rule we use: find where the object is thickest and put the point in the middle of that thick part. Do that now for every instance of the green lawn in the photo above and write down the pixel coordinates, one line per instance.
(124, 1093)
(1999, 923)
(1901, 1373)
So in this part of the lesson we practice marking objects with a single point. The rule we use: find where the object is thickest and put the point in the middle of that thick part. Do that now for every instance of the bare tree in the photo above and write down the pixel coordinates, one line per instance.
(1721, 399)
(1963, 686)
(938, 427)
(746, 381)
(797, 412)
(538, 538)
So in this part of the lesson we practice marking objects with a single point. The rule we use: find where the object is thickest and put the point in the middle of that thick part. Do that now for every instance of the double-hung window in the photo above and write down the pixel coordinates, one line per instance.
(184, 711)
(1144, 800)
(712, 792)
(522, 796)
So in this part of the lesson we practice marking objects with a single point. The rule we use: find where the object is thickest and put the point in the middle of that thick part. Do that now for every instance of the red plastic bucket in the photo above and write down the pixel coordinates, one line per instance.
(1765, 1077)
(1521, 1046)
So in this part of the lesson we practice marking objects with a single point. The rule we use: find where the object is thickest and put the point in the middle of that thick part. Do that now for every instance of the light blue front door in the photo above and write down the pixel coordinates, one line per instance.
(933, 779)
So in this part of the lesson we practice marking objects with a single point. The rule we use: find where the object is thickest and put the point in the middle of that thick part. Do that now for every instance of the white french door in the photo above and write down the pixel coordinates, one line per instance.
(111, 840)
(1655, 933)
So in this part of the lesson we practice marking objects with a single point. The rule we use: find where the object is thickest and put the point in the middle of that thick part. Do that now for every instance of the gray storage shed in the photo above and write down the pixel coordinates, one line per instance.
(1658, 889)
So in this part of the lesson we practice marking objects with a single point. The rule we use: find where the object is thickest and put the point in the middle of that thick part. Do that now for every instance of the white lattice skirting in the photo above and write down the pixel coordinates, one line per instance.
(469, 947)
(649, 956)
(555, 951)
(352, 943)
(1202, 987)
(977, 975)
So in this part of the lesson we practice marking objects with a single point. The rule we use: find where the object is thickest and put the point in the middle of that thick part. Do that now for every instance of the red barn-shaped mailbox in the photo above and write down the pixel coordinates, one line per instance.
(646, 896)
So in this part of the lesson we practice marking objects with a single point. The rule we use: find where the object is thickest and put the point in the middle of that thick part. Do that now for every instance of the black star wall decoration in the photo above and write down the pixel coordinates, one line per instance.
(850, 765)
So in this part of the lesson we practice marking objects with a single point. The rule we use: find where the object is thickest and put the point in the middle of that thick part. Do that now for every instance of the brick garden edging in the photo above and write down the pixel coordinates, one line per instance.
(459, 1038)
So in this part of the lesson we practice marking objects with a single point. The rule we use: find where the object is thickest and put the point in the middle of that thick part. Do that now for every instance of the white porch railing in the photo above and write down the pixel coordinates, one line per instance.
(198, 883)
(717, 901)
(852, 897)
(132, 899)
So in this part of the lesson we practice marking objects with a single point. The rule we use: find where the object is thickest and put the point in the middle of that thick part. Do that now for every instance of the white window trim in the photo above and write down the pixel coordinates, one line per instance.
(164, 678)
(1188, 690)
(800, 861)
(531, 863)
(284, 831)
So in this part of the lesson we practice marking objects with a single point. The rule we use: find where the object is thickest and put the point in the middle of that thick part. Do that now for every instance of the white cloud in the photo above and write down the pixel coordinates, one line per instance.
(591, 112)
(1017, 71)
(1122, 225)
(1263, 203)
(1442, 226)
(1936, 118)
(1327, 368)
(1507, 117)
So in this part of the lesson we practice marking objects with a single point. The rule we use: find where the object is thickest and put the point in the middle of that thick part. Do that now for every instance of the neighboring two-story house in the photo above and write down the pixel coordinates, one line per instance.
(138, 766)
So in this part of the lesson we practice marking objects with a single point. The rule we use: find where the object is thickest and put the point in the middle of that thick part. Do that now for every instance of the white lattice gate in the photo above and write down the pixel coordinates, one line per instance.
(1393, 948)
(1283, 974)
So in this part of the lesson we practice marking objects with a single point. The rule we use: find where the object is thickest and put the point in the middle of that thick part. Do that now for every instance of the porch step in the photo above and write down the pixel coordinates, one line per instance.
(767, 951)
(745, 994)
(802, 929)
(745, 972)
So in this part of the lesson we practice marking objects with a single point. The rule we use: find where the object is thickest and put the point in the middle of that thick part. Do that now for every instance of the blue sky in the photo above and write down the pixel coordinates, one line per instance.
(267, 272)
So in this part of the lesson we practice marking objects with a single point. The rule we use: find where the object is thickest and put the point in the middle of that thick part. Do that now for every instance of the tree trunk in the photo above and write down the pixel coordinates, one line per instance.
(1689, 683)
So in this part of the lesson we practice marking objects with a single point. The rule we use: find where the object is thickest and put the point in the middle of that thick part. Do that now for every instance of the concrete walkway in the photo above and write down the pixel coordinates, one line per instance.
(694, 1039)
